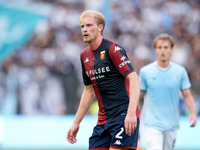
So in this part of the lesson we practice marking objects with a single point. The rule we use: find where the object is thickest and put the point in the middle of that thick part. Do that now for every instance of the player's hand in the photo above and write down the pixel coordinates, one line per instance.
(71, 134)
(193, 118)
(130, 124)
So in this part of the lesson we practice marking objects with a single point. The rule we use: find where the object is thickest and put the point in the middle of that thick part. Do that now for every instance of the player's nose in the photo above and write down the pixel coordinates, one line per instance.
(84, 29)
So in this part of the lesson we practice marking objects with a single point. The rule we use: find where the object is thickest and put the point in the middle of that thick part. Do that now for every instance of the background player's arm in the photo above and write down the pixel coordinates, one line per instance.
(190, 104)
(85, 103)
(134, 92)
(141, 100)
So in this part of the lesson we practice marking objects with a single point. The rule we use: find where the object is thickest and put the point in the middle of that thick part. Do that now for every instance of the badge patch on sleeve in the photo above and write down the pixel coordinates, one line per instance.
(102, 55)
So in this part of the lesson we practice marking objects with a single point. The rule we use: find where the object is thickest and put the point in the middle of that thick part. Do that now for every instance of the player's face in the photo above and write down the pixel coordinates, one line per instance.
(163, 50)
(89, 29)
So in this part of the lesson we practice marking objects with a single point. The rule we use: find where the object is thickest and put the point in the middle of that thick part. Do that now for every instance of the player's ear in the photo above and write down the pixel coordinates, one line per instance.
(172, 49)
(100, 27)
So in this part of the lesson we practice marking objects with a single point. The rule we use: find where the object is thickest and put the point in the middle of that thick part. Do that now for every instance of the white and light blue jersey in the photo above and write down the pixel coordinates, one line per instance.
(162, 89)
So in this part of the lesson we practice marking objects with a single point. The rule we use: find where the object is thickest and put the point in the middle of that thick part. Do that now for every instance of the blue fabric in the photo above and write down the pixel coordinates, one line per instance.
(162, 89)
(113, 134)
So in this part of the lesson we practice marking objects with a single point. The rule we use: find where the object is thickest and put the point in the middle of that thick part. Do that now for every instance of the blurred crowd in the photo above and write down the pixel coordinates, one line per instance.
(44, 75)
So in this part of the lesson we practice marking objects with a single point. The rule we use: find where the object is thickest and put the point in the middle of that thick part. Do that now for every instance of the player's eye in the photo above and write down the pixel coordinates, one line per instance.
(166, 47)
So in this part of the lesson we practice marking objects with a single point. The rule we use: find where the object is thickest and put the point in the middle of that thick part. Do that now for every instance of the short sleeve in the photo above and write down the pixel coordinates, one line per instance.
(143, 85)
(120, 59)
(185, 84)
(86, 79)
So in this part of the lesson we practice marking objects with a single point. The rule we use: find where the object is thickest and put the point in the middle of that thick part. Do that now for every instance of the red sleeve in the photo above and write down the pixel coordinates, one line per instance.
(120, 59)
(86, 79)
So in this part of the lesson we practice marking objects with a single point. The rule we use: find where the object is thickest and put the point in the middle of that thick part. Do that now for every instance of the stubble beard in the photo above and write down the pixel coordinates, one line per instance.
(88, 40)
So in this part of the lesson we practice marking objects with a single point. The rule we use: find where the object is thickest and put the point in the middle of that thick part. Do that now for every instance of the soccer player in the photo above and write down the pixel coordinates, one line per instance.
(108, 74)
(162, 82)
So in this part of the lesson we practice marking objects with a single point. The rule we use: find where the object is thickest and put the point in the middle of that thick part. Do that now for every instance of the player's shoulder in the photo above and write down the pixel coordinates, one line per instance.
(148, 66)
(85, 51)
(112, 46)
(177, 66)
(110, 42)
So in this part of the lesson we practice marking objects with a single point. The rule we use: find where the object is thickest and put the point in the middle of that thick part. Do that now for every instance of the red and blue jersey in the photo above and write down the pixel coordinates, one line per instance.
(106, 69)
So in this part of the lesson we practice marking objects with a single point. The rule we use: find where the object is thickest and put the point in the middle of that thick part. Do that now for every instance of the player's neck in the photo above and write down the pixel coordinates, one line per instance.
(163, 64)
(96, 43)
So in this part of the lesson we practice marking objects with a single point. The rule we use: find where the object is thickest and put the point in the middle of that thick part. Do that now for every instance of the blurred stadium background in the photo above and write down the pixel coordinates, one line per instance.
(40, 71)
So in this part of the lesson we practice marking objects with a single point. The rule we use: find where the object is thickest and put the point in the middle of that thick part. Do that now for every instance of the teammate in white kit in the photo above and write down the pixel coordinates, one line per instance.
(162, 82)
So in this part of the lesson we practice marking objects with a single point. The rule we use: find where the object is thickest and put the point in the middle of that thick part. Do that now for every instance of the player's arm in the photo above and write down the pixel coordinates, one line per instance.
(134, 92)
(190, 104)
(141, 100)
(85, 103)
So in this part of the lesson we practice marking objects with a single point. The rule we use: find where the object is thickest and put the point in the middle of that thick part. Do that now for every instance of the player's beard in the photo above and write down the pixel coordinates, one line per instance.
(86, 39)
(89, 39)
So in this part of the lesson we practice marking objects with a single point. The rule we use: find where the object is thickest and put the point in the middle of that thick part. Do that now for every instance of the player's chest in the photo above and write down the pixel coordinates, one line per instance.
(98, 63)
(167, 79)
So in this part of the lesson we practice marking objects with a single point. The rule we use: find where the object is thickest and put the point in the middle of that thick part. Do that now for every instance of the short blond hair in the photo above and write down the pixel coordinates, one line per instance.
(164, 36)
(97, 15)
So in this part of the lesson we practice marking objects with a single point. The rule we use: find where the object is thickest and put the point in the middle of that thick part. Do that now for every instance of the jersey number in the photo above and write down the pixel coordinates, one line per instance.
(118, 134)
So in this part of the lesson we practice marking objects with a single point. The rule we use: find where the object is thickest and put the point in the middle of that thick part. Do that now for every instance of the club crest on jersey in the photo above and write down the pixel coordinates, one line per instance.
(102, 55)
(174, 77)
